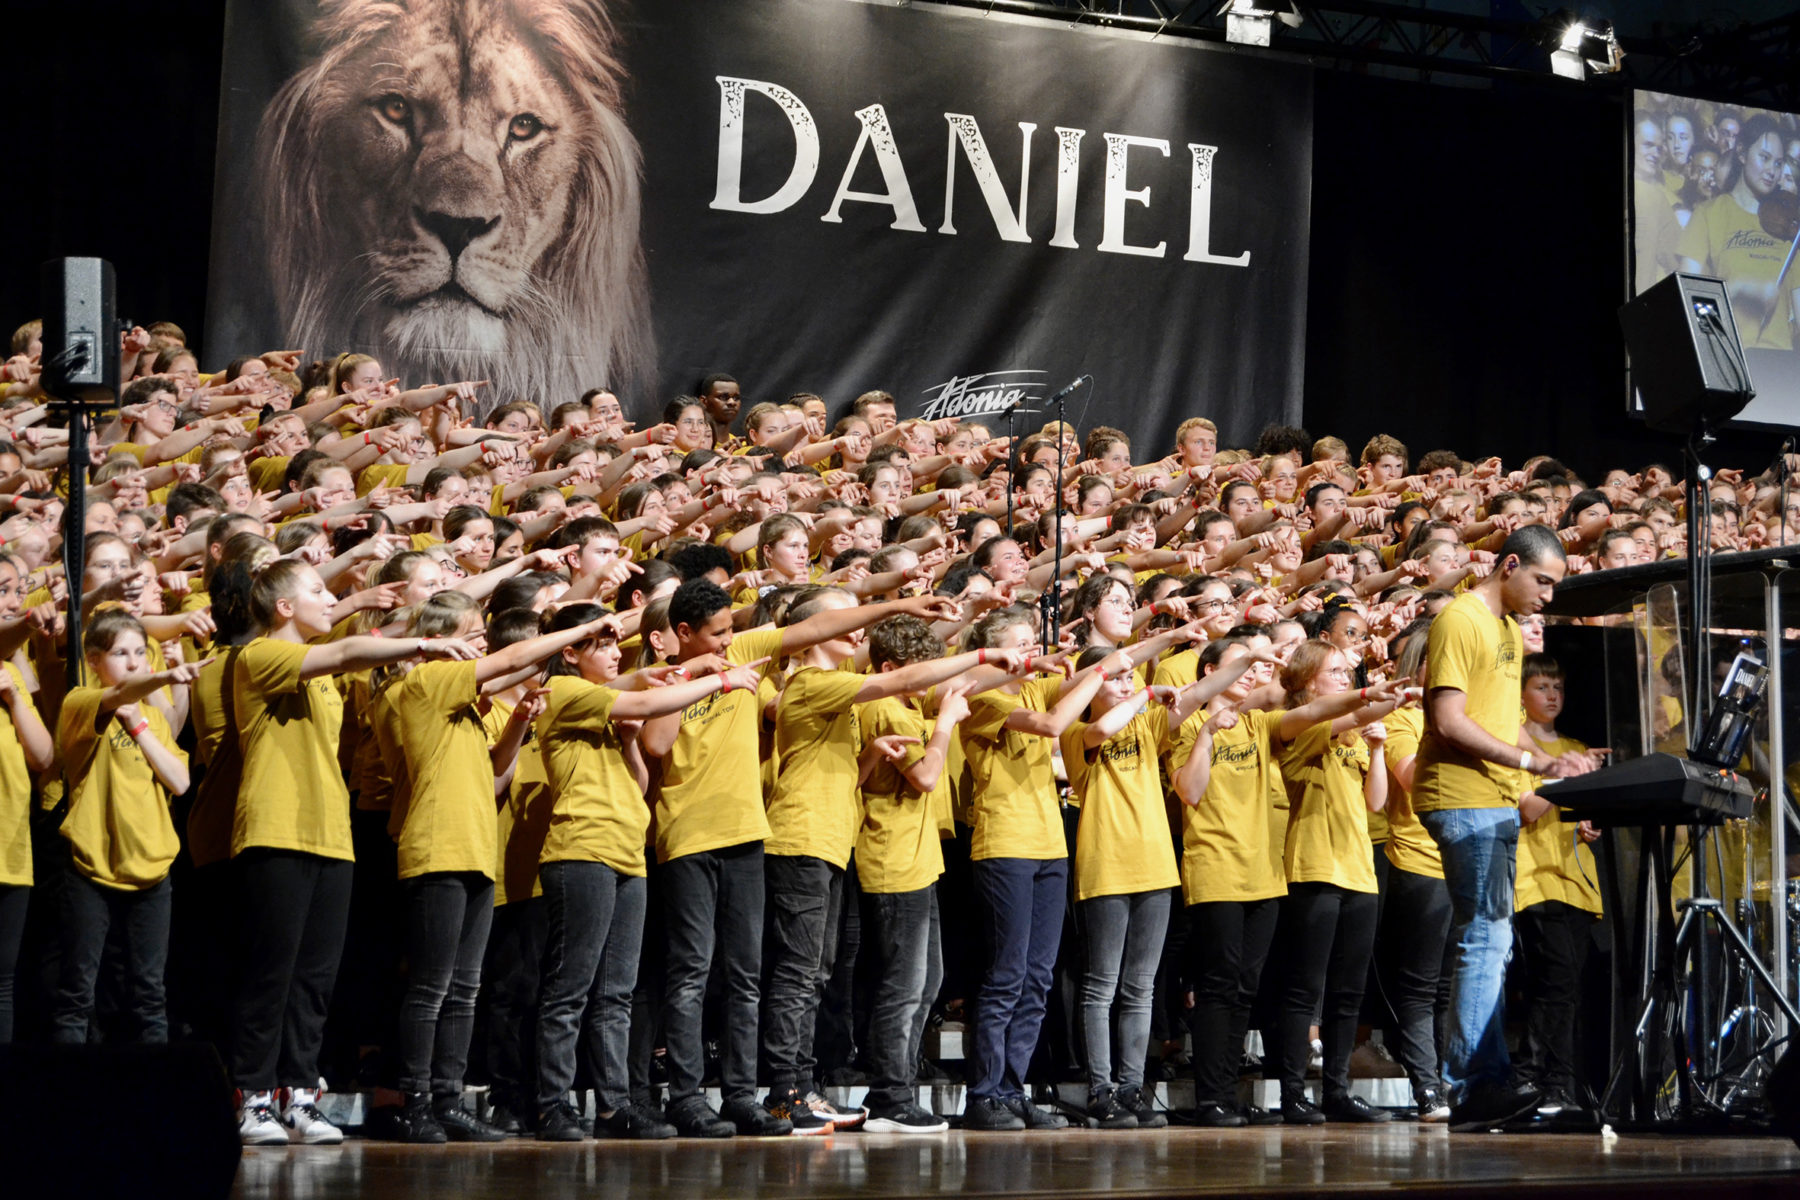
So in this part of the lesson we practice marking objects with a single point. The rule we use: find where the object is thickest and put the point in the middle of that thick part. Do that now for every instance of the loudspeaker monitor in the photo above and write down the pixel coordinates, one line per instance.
(1687, 362)
(81, 340)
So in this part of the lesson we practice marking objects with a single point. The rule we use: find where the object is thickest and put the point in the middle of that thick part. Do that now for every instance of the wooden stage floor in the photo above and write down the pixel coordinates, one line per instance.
(1176, 1162)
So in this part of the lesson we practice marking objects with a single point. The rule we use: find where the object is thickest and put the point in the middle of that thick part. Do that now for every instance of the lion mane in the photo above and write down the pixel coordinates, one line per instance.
(451, 186)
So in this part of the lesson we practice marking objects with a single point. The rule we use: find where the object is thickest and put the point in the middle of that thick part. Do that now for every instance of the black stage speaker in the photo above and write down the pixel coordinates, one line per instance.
(1687, 363)
(81, 339)
(103, 1121)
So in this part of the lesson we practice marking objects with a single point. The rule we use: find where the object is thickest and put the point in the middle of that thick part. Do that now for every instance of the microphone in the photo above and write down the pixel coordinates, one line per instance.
(1071, 389)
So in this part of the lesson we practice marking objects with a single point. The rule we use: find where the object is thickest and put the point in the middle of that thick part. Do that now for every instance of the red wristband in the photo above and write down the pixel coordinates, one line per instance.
(724, 685)
(366, 439)
(981, 657)
(1363, 694)
(135, 730)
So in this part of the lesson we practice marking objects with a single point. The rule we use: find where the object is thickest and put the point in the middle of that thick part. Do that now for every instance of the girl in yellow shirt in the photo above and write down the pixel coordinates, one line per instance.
(291, 842)
(121, 765)
(25, 746)
(593, 868)
(447, 851)
(1335, 777)
(1124, 873)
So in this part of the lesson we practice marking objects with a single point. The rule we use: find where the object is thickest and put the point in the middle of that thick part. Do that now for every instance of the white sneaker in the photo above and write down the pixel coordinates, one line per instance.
(257, 1125)
(832, 1115)
(305, 1123)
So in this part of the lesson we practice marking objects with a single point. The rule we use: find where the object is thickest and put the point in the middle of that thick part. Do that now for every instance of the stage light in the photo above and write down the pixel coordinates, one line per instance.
(1587, 48)
(1251, 22)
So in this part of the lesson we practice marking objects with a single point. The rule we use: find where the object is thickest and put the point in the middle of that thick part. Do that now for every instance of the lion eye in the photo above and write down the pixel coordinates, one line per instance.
(524, 127)
(394, 107)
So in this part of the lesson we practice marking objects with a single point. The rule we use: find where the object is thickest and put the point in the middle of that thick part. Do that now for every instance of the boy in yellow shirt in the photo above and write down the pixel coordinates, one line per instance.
(1556, 902)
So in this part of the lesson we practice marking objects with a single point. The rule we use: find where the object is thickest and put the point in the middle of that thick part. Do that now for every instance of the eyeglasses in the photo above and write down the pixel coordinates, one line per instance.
(1211, 605)
(692, 423)
(1357, 637)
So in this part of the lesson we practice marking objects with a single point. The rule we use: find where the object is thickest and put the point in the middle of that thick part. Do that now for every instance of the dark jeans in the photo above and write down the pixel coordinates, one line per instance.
(800, 937)
(515, 956)
(15, 902)
(898, 932)
(596, 928)
(448, 915)
(842, 1025)
(647, 993)
(713, 899)
(367, 998)
(1021, 911)
(139, 924)
(1410, 954)
(1332, 934)
(1554, 940)
(1124, 935)
(1228, 944)
(293, 908)
(202, 923)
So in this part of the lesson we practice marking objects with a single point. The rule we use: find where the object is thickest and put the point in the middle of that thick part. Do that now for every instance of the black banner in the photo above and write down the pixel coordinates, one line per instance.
(965, 210)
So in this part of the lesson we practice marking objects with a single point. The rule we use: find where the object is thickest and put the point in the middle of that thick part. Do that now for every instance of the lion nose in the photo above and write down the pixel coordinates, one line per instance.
(456, 232)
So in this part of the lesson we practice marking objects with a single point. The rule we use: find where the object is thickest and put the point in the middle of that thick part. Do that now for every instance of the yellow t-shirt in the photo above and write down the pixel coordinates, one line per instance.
(598, 811)
(1123, 843)
(711, 794)
(1409, 846)
(1016, 810)
(118, 825)
(1178, 669)
(1555, 864)
(1478, 654)
(15, 797)
(214, 809)
(813, 810)
(268, 474)
(1730, 243)
(898, 848)
(293, 796)
(448, 823)
(1230, 849)
(372, 477)
(1328, 826)
(524, 818)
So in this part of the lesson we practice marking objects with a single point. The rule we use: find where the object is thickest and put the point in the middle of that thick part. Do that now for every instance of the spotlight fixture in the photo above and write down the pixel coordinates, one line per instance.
(1586, 48)
(1251, 22)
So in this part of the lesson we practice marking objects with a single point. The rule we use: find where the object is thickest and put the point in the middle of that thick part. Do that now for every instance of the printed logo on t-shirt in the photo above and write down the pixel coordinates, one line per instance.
(1242, 756)
(1125, 755)
(1506, 657)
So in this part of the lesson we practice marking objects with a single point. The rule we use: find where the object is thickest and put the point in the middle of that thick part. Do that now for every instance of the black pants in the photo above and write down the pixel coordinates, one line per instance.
(15, 901)
(448, 915)
(1332, 935)
(366, 1001)
(1228, 942)
(1554, 941)
(900, 937)
(1410, 954)
(800, 928)
(647, 994)
(293, 908)
(842, 1025)
(138, 922)
(713, 900)
(513, 972)
(596, 925)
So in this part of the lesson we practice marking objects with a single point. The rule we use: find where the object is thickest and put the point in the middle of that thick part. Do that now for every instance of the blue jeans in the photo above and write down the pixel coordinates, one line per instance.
(1022, 903)
(448, 915)
(1124, 935)
(1479, 848)
(900, 935)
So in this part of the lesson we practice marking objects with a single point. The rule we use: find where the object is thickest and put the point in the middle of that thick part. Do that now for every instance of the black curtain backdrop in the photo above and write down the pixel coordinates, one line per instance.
(1467, 244)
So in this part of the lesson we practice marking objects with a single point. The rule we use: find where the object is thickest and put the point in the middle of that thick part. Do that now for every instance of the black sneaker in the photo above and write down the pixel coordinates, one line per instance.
(1143, 1108)
(507, 1121)
(791, 1106)
(461, 1125)
(907, 1118)
(1213, 1115)
(1261, 1116)
(1432, 1108)
(560, 1124)
(1296, 1109)
(753, 1120)
(1106, 1111)
(635, 1123)
(1554, 1102)
(415, 1125)
(1489, 1106)
(1354, 1110)
(695, 1118)
(988, 1114)
(1034, 1116)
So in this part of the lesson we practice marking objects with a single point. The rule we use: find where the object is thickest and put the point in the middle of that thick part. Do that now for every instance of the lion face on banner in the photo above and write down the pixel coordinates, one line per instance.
(450, 185)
